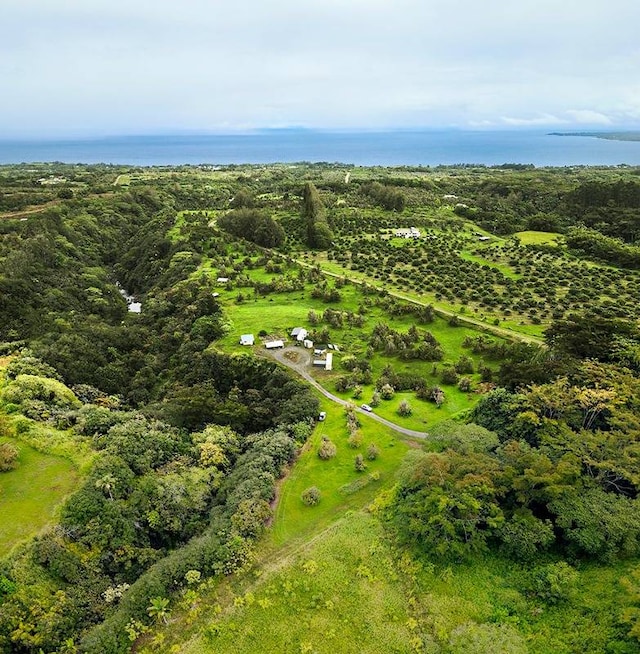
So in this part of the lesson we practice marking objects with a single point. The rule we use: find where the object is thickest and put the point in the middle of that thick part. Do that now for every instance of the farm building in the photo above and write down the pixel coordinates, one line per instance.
(329, 361)
(411, 232)
(222, 280)
(326, 363)
(307, 343)
(246, 339)
(272, 345)
(299, 333)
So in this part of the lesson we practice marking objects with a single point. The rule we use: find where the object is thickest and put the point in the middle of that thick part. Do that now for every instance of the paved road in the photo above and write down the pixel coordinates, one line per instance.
(301, 366)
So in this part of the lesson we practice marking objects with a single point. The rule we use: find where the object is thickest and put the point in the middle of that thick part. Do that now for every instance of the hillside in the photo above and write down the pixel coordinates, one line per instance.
(319, 408)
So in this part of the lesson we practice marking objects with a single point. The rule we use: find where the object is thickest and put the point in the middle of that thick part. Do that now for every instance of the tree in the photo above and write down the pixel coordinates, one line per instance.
(447, 504)
(318, 232)
(589, 336)
(359, 463)
(387, 392)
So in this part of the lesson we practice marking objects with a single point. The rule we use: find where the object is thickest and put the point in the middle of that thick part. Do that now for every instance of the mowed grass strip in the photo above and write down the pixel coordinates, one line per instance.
(30, 494)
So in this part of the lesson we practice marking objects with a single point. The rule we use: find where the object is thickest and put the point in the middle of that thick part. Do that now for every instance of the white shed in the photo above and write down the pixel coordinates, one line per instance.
(272, 345)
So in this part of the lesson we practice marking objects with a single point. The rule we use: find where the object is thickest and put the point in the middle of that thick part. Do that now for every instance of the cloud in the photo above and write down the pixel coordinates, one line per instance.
(149, 65)
(588, 117)
(546, 119)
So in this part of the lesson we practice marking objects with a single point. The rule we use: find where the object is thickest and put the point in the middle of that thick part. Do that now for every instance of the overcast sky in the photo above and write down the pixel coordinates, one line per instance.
(149, 66)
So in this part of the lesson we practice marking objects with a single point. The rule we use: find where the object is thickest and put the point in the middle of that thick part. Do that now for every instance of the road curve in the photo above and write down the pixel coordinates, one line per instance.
(301, 369)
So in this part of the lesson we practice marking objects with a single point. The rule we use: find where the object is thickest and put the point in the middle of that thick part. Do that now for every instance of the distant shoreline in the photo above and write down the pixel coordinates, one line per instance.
(608, 136)
(398, 148)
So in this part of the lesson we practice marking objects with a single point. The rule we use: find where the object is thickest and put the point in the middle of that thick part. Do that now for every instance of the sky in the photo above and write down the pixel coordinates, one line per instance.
(98, 67)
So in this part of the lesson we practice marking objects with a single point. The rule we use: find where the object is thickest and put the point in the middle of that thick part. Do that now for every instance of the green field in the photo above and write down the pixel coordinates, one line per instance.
(336, 478)
(332, 597)
(350, 589)
(276, 314)
(30, 494)
(537, 238)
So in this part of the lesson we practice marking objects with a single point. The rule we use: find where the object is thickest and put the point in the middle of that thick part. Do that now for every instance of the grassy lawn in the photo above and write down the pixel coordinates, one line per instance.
(341, 486)
(30, 494)
(278, 313)
(537, 238)
(504, 268)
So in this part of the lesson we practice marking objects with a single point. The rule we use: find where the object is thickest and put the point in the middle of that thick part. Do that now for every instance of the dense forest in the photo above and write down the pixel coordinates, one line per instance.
(180, 439)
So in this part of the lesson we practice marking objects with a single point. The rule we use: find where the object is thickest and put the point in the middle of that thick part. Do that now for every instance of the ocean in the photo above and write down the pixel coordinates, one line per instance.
(391, 148)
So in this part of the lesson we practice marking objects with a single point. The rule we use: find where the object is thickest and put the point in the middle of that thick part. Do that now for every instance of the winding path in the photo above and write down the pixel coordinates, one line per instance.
(301, 367)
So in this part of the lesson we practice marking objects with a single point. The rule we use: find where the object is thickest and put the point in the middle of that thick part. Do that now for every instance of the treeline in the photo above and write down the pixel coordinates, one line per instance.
(592, 244)
(387, 197)
(159, 503)
(253, 225)
(179, 486)
(554, 475)
(318, 232)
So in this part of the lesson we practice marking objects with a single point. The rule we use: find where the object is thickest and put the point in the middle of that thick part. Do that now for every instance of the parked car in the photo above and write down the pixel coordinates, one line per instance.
(366, 407)
(322, 416)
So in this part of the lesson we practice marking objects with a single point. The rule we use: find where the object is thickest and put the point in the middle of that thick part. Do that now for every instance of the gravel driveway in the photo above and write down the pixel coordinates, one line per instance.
(299, 360)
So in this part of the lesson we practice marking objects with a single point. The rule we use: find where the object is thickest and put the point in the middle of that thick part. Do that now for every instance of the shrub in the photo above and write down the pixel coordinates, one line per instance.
(464, 384)
(555, 582)
(449, 376)
(464, 365)
(404, 409)
(387, 392)
(311, 496)
(327, 449)
(359, 463)
(373, 452)
(8, 457)
(375, 400)
(355, 440)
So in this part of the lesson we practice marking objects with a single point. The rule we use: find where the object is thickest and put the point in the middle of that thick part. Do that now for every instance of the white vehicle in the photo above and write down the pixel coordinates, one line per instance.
(322, 416)
(366, 407)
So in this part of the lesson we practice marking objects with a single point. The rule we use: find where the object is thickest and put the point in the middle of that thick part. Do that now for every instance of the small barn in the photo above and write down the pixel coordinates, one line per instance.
(326, 363)
(247, 339)
(299, 333)
(307, 343)
(272, 345)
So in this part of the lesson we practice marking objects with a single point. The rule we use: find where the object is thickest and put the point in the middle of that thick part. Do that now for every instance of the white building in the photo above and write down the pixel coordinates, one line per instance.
(246, 339)
(272, 345)
(299, 333)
